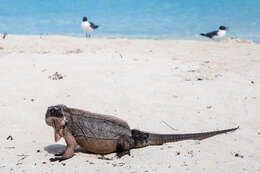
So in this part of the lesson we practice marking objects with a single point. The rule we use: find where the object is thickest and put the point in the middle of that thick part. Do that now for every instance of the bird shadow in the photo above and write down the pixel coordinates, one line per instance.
(59, 148)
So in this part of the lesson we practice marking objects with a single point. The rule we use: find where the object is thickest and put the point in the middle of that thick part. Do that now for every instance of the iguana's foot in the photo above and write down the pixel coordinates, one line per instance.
(58, 159)
(59, 154)
(102, 157)
(122, 153)
(62, 157)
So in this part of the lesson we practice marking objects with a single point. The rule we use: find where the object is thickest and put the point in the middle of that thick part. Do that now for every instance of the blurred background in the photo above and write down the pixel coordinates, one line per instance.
(154, 19)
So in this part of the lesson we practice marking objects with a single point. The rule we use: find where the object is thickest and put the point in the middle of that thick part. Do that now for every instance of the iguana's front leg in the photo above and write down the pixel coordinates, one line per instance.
(69, 152)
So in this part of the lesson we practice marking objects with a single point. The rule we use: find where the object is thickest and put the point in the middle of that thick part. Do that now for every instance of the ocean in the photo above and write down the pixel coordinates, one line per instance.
(152, 19)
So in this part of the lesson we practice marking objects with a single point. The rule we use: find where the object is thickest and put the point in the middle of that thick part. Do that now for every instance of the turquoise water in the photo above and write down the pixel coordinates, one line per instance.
(159, 19)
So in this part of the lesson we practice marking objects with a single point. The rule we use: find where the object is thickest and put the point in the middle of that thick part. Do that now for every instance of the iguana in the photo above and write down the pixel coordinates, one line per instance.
(103, 134)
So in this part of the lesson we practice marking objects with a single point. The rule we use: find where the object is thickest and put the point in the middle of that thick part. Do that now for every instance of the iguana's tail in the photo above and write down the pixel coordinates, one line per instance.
(142, 139)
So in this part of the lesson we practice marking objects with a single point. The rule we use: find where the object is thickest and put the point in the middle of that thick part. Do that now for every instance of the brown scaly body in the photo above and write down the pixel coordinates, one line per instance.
(103, 134)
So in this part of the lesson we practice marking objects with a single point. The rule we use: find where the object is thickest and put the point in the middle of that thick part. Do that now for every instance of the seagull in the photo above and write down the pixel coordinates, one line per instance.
(87, 26)
(216, 35)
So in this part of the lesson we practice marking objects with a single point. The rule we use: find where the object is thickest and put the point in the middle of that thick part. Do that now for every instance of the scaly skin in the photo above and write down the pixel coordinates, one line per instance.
(103, 134)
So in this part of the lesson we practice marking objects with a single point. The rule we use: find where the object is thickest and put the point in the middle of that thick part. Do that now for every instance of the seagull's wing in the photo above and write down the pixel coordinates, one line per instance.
(211, 34)
(92, 25)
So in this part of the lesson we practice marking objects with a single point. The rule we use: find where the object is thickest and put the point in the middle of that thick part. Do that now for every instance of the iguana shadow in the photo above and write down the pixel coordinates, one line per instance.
(59, 148)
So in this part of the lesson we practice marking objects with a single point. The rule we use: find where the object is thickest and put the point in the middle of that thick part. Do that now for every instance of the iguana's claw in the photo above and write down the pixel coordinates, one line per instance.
(59, 154)
(60, 159)
(122, 153)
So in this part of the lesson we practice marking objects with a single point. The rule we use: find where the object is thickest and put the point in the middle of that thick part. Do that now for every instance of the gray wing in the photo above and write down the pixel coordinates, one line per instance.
(96, 128)
(93, 26)
(211, 34)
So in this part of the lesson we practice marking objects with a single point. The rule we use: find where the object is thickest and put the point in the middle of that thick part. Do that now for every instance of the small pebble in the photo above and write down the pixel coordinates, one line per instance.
(74, 51)
(238, 155)
(209, 107)
(56, 76)
(10, 138)
(121, 164)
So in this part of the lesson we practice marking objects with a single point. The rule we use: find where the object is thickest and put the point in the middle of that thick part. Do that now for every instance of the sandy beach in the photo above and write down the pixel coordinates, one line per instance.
(193, 86)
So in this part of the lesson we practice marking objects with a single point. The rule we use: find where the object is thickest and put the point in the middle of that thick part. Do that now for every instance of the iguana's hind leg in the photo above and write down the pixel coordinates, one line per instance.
(123, 146)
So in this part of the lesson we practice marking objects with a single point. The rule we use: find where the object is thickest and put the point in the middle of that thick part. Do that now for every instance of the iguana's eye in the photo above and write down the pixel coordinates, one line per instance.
(55, 112)
(52, 111)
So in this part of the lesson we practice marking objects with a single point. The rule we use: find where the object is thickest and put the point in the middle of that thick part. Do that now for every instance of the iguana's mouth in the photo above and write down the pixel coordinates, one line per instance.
(54, 122)
(51, 121)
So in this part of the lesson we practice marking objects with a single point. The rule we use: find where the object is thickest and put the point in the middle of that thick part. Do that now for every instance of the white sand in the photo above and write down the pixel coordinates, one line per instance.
(144, 82)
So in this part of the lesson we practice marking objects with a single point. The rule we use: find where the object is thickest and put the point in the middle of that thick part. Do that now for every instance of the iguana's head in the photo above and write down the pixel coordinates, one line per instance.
(55, 118)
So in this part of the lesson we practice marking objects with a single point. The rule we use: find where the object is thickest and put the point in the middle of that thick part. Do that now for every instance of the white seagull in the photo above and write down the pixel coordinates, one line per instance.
(87, 26)
(216, 35)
